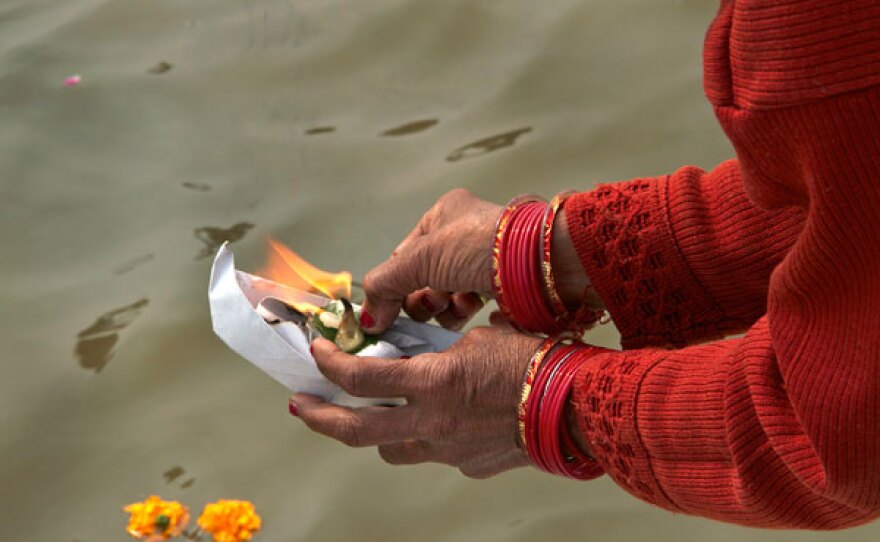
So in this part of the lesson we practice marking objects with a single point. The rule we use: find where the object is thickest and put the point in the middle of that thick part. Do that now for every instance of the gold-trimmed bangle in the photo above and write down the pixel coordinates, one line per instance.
(561, 312)
(526, 389)
(574, 323)
(500, 230)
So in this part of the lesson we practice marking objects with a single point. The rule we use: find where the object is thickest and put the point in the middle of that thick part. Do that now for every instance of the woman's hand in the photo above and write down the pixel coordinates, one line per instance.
(445, 264)
(461, 404)
(440, 269)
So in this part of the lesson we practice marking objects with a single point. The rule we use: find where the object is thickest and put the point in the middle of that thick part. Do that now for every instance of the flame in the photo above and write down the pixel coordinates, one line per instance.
(287, 267)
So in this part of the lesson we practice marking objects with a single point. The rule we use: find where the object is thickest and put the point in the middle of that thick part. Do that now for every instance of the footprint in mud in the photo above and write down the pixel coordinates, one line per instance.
(132, 263)
(214, 237)
(317, 130)
(95, 345)
(413, 127)
(487, 145)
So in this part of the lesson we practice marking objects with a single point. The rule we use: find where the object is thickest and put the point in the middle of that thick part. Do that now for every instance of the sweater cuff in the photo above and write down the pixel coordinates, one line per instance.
(604, 397)
(627, 248)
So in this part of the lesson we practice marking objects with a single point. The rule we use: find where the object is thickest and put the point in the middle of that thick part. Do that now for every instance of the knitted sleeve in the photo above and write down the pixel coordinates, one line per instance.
(779, 428)
(683, 257)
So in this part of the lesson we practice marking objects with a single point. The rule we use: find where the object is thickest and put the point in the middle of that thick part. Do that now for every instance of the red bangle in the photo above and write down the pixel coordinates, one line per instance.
(526, 388)
(583, 317)
(548, 442)
(522, 271)
(532, 421)
(502, 285)
(548, 422)
(533, 310)
(517, 279)
(541, 451)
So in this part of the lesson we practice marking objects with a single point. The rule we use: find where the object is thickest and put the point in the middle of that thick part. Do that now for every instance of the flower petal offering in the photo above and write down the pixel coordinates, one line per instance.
(230, 521)
(155, 519)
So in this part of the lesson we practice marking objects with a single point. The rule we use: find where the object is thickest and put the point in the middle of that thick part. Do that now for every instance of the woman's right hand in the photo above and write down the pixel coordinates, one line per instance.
(441, 268)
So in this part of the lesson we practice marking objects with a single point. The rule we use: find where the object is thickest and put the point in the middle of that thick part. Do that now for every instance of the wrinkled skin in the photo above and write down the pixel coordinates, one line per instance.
(440, 269)
(462, 403)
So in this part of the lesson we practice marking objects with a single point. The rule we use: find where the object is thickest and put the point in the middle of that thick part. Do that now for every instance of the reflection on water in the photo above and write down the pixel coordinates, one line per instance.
(410, 127)
(95, 346)
(132, 263)
(198, 187)
(176, 472)
(487, 145)
(173, 473)
(320, 130)
(161, 67)
(94, 353)
(214, 237)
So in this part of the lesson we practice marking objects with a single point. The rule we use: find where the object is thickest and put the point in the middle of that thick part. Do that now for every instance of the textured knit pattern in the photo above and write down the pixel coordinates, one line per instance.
(779, 428)
(674, 293)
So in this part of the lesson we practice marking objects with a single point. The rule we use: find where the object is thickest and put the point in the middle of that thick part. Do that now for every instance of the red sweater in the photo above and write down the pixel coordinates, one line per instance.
(779, 428)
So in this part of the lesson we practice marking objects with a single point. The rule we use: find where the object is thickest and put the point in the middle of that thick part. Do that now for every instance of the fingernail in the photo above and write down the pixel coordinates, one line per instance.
(291, 406)
(405, 357)
(367, 320)
(428, 304)
(311, 351)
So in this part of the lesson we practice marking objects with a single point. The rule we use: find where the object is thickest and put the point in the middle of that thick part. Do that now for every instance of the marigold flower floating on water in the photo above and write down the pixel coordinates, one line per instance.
(155, 519)
(230, 521)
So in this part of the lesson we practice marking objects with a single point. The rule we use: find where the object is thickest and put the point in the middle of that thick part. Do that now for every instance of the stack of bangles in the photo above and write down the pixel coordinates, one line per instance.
(544, 432)
(526, 293)
(522, 271)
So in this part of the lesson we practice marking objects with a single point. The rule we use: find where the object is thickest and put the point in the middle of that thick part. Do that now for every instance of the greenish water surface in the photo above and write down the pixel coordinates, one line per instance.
(331, 125)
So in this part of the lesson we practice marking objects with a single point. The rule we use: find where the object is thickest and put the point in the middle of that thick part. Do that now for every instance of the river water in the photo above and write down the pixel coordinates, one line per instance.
(331, 125)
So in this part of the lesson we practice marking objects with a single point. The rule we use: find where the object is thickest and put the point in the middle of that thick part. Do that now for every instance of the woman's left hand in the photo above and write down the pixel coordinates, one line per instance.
(461, 403)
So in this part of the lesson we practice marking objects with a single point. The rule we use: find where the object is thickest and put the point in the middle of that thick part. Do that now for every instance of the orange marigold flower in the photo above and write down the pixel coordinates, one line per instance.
(230, 521)
(155, 519)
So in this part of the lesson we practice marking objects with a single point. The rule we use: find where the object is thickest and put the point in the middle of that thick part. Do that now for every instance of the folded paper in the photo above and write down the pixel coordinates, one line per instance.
(281, 350)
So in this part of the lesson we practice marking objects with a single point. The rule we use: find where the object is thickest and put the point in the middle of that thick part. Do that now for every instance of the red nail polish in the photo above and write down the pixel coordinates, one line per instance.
(312, 350)
(405, 357)
(292, 408)
(367, 319)
(428, 304)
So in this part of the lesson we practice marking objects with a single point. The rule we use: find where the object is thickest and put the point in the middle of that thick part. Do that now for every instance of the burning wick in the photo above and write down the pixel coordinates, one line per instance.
(337, 321)
(350, 336)
(343, 329)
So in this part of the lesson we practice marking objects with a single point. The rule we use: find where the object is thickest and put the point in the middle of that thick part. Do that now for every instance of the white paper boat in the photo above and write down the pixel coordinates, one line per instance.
(282, 350)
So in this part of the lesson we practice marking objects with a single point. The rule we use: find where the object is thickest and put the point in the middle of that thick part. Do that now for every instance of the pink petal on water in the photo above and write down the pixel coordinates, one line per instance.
(73, 80)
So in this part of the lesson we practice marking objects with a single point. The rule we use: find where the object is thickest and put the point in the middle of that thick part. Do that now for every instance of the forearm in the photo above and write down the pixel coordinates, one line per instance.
(575, 287)
(709, 431)
(676, 259)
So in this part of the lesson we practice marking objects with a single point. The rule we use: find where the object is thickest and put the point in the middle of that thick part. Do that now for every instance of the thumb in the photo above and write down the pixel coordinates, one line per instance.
(388, 284)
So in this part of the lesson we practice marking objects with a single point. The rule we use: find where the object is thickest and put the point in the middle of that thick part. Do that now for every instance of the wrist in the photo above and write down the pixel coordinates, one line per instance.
(518, 270)
(549, 437)
(572, 282)
(533, 294)
(571, 421)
